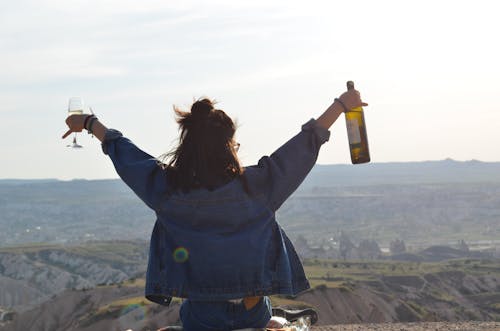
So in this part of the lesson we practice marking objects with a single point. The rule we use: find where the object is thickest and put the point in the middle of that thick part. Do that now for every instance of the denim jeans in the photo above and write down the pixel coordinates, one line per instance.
(224, 315)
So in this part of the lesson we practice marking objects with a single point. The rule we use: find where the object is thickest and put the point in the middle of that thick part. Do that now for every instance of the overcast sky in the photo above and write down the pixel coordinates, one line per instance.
(428, 69)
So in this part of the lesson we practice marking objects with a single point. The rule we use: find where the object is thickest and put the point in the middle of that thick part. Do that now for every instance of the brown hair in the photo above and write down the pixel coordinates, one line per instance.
(205, 156)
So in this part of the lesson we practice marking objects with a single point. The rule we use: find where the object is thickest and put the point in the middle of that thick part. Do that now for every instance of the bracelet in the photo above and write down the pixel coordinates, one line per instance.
(342, 104)
(86, 120)
(91, 124)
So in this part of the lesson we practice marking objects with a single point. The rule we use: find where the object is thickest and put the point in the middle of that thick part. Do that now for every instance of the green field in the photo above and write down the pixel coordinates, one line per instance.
(341, 273)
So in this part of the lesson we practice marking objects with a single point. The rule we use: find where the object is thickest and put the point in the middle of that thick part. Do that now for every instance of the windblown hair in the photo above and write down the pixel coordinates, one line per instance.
(205, 156)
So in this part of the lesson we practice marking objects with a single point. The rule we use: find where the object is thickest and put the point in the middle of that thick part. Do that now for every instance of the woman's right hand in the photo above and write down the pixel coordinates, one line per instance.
(75, 123)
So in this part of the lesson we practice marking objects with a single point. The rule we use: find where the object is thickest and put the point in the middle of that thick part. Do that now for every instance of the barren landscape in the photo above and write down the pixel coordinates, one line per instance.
(385, 247)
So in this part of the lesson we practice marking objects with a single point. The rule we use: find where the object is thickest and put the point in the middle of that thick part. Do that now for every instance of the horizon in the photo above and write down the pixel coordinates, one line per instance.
(446, 160)
(427, 70)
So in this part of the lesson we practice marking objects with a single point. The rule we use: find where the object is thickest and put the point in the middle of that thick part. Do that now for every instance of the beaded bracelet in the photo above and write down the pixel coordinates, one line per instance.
(91, 124)
(342, 104)
(86, 120)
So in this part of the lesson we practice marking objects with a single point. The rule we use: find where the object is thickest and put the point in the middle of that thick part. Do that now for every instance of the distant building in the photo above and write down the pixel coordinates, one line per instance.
(321, 251)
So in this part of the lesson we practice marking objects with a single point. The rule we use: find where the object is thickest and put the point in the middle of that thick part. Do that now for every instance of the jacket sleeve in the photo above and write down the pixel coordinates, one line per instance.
(139, 170)
(280, 174)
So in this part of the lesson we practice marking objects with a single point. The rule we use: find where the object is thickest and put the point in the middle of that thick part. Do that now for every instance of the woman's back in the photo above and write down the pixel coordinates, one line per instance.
(216, 237)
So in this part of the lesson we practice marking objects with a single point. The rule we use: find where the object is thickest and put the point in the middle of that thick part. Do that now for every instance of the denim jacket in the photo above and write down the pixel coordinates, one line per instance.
(224, 243)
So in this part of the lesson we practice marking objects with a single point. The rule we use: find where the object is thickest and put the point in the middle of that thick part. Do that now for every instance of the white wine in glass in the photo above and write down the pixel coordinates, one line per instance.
(75, 107)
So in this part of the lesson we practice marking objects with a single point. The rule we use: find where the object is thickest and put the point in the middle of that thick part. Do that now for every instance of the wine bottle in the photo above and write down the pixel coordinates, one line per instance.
(356, 133)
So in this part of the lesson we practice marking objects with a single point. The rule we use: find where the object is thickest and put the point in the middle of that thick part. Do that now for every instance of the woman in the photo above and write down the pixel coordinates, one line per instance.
(216, 242)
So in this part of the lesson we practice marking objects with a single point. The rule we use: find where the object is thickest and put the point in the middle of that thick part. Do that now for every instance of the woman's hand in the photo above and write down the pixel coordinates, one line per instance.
(352, 99)
(75, 124)
(348, 100)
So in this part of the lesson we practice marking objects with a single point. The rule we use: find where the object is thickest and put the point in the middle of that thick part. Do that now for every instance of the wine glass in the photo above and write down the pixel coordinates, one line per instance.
(75, 107)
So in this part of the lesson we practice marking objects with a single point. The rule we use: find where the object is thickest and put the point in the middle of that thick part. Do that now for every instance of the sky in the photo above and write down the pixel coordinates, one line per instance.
(428, 69)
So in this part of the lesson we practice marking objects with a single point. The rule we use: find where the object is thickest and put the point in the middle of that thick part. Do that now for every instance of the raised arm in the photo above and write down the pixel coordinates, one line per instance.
(348, 100)
(280, 174)
(139, 170)
(76, 124)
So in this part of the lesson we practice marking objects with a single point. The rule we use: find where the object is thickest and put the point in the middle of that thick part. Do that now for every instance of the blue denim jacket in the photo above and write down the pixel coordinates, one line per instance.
(225, 243)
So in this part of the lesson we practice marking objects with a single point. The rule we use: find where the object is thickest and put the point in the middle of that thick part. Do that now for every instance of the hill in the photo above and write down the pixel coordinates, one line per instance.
(423, 203)
(343, 292)
(102, 308)
(29, 275)
(398, 173)
(51, 245)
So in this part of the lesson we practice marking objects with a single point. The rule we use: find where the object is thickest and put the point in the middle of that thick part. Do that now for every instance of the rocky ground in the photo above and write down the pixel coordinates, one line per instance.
(422, 326)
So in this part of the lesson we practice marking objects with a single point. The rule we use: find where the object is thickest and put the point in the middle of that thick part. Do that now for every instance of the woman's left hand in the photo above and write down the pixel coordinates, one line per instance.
(352, 99)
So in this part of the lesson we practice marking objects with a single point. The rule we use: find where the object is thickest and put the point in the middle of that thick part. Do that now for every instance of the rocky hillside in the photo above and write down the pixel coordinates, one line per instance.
(100, 309)
(435, 296)
(100, 286)
(31, 275)
(441, 296)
